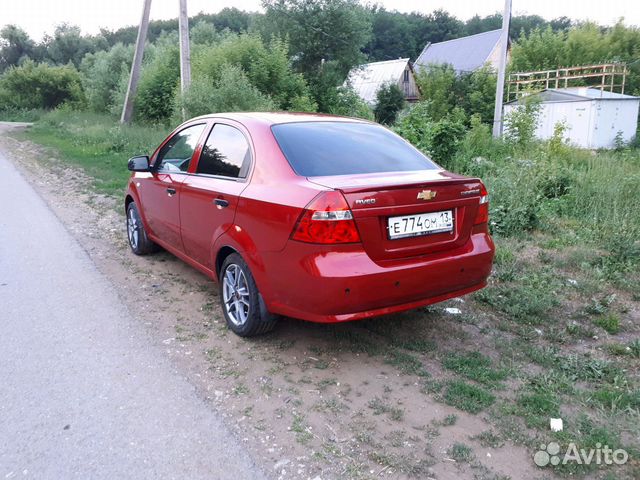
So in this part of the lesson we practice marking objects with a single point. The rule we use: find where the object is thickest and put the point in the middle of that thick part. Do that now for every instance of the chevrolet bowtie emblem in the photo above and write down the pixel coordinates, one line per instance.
(426, 195)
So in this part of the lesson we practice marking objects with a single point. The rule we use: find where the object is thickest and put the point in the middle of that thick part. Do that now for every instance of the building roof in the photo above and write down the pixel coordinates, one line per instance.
(367, 79)
(465, 54)
(576, 94)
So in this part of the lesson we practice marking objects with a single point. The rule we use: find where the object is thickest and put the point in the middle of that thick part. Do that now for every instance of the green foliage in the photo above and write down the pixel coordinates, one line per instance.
(230, 92)
(97, 144)
(469, 398)
(521, 122)
(584, 44)
(15, 45)
(102, 72)
(438, 138)
(159, 79)
(474, 366)
(267, 67)
(38, 85)
(325, 39)
(447, 90)
(68, 45)
(389, 101)
(436, 83)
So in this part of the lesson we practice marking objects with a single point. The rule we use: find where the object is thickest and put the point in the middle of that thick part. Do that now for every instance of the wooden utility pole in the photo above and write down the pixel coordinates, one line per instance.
(185, 51)
(502, 65)
(127, 109)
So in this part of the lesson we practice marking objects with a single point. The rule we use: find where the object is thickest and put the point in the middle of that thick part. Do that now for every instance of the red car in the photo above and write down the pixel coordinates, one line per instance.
(317, 217)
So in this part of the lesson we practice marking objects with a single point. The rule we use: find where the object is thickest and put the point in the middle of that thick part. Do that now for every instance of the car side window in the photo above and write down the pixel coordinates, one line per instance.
(226, 153)
(175, 155)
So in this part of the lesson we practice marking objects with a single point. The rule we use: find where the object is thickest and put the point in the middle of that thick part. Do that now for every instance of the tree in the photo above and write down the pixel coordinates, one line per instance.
(436, 83)
(325, 39)
(69, 45)
(102, 73)
(231, 91)
(38, 85)
(389, 101)
(267, 67)
(15, 44)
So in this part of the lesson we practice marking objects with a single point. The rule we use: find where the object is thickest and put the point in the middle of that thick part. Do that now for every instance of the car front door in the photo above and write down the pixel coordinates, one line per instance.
(160, 191)
(210, 196)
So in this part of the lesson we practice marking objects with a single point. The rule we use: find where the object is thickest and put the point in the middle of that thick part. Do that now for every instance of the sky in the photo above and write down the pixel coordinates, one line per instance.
(38, 17)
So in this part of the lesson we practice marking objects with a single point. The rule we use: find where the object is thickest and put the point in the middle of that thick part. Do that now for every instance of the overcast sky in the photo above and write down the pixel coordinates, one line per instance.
(38, 17)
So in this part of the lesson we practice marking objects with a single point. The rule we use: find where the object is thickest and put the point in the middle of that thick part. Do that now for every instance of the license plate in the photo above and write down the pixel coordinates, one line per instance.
(420, 224)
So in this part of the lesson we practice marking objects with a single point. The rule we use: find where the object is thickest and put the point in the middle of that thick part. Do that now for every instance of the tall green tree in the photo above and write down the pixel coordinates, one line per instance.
(325, 39)
(15, 45)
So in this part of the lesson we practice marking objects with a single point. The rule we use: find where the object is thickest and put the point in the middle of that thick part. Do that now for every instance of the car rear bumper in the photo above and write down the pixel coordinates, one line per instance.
(329, 284)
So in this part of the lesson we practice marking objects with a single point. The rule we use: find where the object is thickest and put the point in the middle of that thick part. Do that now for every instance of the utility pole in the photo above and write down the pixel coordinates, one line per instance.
(185, 51)
(127, 109)
(502, 65)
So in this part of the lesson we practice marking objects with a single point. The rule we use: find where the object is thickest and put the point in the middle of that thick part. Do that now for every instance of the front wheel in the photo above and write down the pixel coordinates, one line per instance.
(242, 305)
(136, 234)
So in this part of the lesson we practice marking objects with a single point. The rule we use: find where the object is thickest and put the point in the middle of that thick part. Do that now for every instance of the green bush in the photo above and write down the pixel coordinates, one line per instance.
(349, 104)
(267, 68)
(440, 139)
(521, 122)
(389, 101)
(102, 72)
(158, 82)
(230, 92)
(38, 85)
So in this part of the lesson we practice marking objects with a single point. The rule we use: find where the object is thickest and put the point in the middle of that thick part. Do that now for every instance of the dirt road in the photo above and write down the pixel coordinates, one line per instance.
(307, 401)
(85, 393)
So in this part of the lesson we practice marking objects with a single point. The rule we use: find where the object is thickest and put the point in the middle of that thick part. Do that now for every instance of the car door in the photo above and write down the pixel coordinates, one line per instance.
(160, 191)
(209, 197)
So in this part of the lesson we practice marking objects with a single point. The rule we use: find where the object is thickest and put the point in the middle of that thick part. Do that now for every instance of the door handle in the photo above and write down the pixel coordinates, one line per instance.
(221, 202)
(171, 191)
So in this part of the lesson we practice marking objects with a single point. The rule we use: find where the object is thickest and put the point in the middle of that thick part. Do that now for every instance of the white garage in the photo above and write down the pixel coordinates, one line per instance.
(593, 117)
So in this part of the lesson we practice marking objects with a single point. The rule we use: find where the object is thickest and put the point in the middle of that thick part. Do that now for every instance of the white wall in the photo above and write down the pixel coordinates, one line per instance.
(611, 117)
(591, 123)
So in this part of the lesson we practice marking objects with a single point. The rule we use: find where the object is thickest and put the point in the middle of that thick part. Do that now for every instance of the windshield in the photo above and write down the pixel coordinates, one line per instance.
(344, 148)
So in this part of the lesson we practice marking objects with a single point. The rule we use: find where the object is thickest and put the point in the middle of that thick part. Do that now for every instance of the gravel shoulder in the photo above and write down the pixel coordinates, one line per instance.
(307, 401)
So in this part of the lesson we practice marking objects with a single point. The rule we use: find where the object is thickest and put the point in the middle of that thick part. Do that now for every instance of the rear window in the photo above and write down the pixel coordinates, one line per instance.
(317, 149)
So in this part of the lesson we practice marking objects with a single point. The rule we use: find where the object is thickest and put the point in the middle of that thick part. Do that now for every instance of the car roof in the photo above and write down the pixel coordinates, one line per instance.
(273, 118)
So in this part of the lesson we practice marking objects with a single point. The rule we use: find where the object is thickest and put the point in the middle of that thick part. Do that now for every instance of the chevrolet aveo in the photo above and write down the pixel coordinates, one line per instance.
(316, 217)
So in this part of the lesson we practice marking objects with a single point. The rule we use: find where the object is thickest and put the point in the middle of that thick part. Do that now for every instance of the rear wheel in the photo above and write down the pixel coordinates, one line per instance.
(242, 305)
(137, 235)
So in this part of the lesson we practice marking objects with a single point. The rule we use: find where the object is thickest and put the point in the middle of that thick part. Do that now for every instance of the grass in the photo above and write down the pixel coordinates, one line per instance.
(470, 398)
(474, 366)
(97, 144)
(380, 407)
(461, 452)
(609, 322)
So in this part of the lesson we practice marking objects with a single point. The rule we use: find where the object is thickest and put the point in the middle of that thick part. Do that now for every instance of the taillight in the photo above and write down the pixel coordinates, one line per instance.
(482, 215)
(327, 219)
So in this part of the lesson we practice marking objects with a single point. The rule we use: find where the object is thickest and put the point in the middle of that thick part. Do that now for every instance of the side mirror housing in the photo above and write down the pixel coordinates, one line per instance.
(139, 163)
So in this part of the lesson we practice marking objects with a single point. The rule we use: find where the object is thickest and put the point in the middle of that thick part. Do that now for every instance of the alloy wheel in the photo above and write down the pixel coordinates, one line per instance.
(235, 294)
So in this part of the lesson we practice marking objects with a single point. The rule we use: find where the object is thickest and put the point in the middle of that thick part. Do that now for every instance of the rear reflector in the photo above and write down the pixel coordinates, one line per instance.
(327, 219)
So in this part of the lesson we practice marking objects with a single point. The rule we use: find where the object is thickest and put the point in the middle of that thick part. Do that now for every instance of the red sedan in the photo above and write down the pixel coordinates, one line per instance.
(322, 218)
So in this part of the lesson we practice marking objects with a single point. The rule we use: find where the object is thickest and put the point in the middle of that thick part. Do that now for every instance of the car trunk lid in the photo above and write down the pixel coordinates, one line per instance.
(374, 198)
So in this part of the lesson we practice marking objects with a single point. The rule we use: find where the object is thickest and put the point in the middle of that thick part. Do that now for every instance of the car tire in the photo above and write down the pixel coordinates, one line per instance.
(242, 304)
(136, 234)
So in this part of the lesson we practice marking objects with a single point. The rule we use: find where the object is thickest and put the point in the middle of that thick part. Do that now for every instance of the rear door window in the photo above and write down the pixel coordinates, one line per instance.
(346, 148)
(226, 153)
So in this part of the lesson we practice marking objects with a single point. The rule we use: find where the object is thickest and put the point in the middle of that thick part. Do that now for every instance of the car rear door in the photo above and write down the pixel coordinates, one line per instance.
(209, 196)
(160, 191)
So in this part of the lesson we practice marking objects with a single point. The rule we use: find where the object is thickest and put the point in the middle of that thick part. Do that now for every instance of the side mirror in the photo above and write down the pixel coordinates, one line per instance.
(139, 163)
